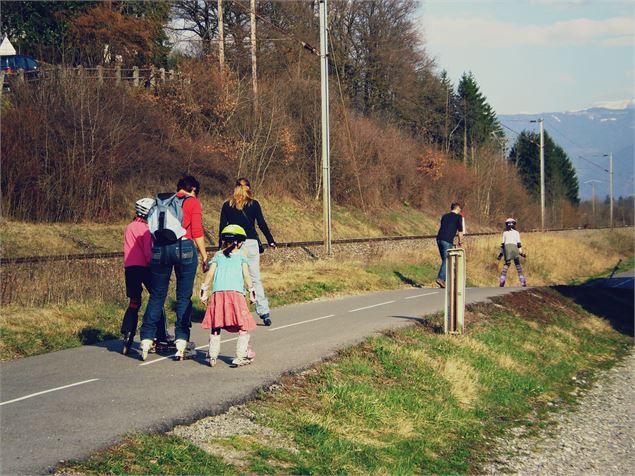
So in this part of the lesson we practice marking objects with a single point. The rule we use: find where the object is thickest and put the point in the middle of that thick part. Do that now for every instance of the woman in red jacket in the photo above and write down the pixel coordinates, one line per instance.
(181, 256)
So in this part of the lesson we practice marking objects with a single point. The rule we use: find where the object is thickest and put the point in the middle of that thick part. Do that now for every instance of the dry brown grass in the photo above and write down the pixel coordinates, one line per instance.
(553, 258)
(463, 379)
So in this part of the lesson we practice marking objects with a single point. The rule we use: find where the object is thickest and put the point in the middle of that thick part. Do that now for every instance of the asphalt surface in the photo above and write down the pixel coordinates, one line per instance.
(68, 404)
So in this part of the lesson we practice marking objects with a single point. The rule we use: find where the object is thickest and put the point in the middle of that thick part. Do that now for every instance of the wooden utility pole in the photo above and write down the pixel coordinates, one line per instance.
(221, 36)
(254, 69)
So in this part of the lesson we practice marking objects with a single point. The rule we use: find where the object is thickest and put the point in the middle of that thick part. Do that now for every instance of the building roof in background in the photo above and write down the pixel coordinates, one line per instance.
(6, 48)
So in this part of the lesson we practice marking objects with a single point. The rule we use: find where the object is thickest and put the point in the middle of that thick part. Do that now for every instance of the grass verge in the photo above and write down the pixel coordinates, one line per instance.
(82, 310)
(411, 401)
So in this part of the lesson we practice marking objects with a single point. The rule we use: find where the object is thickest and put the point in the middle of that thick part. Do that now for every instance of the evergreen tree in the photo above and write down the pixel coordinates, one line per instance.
(478, 122)
(561, 181)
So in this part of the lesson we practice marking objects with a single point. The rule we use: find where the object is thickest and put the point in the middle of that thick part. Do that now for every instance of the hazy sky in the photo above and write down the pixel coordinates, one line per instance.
(536, 55)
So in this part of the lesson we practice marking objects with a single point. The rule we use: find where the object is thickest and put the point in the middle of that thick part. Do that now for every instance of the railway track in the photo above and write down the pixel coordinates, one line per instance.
(291, 244)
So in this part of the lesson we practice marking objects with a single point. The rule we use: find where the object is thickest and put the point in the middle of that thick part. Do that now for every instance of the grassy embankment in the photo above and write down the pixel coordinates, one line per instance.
(411, 401)
(33, 328)
(289, 220)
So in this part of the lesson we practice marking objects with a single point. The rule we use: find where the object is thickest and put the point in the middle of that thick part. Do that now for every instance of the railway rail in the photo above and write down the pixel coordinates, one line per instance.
(292, 244)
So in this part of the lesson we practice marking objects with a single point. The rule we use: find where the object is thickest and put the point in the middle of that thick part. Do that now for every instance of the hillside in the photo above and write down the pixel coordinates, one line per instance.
(590, 133)
(289, 220)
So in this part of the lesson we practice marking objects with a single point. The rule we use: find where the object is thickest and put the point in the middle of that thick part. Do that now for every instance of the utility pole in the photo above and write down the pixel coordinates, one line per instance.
(221, 37)
(326, 166)
(542, 172)
(593, 182)
(611, 188)
(254, 70)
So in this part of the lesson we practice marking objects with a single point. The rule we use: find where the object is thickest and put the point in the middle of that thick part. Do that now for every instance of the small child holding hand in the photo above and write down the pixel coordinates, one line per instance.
(227, 307)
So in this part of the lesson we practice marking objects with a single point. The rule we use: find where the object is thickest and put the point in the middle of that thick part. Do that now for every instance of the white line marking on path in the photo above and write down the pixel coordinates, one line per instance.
(48, 391)
(421, 295)
(301, 322)
(374, 305)
(170, 356)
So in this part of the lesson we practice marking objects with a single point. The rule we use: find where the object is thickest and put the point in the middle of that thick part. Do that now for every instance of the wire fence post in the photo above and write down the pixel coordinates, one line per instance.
(100, 74)
(118, 74)
(21, 75)
(162, 75)
(454, 291)
(79, 71)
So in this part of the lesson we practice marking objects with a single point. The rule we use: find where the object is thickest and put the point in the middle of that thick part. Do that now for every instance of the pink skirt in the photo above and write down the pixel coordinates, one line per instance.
(228, 310)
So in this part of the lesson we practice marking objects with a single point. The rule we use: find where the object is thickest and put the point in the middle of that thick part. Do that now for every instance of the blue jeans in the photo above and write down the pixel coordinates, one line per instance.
(444, 246)
(252, 253)
(183, 258)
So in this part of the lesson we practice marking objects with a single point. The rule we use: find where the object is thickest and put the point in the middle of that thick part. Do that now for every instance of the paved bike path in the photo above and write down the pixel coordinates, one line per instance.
(68, 404)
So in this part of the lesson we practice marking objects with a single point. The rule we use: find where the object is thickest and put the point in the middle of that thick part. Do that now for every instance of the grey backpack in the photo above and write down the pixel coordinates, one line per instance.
(165, 219)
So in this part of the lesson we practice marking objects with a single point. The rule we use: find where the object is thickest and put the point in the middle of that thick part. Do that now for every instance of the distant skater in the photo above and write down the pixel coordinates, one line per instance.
(137, 254)
(228, 275)
(244, 210)
(451, 225)
(511, 249)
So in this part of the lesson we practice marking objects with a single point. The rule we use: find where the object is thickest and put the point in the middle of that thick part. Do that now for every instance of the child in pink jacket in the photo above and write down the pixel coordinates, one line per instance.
(137, 251)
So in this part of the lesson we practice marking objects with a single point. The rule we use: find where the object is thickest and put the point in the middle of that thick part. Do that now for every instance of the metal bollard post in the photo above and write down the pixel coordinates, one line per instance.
(454, 291)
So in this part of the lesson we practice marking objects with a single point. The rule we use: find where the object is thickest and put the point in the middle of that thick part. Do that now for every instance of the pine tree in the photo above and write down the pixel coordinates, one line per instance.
(561, 181)
(478, 121)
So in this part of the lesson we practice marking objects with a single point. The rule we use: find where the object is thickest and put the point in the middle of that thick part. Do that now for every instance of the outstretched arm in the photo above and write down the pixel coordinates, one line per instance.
(204, 293)
(262, 224)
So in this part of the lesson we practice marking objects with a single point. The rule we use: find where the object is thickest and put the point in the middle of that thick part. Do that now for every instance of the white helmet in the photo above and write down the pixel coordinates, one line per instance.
(510, 221)
(143, 206)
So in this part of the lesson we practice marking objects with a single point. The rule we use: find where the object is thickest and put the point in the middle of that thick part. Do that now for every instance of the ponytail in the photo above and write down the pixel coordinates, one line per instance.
(227, 247)
(242, 194)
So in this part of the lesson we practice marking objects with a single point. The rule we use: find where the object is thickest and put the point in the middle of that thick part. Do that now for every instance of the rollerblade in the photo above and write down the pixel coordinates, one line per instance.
(501, 282)
(146, 345)
(266, 320)
(244, 353)
(164, 345)
(214, 349)
(128, 340)
(184, 349)
(523, 282)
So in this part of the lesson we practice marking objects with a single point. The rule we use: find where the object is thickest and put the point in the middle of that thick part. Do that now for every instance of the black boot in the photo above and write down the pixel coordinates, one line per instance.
(266, 320)
(128, 340)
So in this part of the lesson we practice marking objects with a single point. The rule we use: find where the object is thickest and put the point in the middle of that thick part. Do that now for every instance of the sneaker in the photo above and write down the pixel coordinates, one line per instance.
(212, 362)
(266, 320)
(441, 283)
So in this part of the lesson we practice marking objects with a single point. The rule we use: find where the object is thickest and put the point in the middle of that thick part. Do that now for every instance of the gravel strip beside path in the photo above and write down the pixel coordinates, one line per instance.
(596, 438)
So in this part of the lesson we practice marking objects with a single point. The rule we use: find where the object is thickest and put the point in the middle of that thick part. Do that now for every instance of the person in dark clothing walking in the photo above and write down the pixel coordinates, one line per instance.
(451, 224)
(242, 209)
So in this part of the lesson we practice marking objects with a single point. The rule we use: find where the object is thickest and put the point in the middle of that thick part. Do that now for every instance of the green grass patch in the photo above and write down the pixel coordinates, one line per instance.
(411, 401)
(152, 454)
(622, 266)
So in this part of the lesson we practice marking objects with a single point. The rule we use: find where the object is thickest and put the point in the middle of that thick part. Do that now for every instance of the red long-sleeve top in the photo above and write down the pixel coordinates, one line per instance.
(192, 217)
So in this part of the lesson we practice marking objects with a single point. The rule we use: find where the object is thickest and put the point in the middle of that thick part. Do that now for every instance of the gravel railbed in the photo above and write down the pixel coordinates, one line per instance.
(596, 438)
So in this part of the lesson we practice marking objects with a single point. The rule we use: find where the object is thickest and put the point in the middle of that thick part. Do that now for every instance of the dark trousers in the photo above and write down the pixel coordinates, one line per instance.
(183, 259)
(138, 277)
(444, 246)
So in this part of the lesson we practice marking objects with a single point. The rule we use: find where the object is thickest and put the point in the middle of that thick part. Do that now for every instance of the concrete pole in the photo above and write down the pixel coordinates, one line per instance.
(593, 200)
(611, 188)
(326, 166)
(542, 174)
(254, 69)
(221, 36)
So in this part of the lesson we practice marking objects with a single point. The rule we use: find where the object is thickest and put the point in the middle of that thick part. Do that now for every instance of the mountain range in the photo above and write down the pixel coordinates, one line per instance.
(586, 136)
